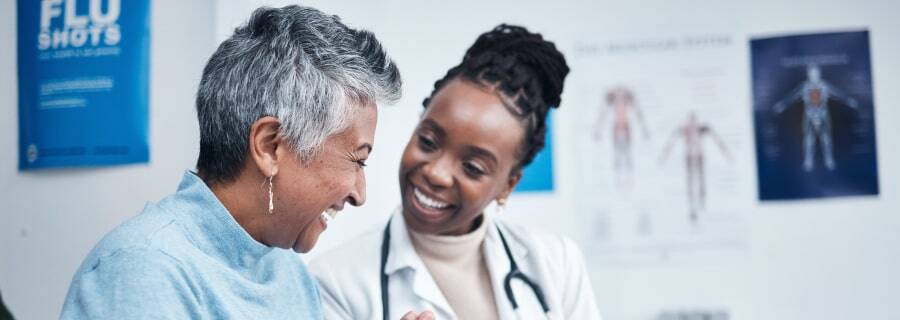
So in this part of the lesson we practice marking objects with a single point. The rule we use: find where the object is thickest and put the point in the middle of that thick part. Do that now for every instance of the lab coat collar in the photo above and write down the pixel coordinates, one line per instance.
(498, 264)
(403, 256)
(493, 242)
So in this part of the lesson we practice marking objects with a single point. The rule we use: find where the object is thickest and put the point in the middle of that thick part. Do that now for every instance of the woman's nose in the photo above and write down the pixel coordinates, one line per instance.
(357, 196)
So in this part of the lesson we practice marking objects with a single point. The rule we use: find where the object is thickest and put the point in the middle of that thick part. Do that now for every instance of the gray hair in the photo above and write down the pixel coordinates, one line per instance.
(297, 64)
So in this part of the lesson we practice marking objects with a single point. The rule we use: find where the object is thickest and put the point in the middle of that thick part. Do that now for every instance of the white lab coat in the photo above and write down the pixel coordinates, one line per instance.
(349, 276)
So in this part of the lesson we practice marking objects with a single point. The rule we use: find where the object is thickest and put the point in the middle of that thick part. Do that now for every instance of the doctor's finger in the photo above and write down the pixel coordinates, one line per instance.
(410, 316)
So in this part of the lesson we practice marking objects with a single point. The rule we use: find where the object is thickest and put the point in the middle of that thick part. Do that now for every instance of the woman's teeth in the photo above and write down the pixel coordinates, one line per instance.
(429, 202)
(329, 215)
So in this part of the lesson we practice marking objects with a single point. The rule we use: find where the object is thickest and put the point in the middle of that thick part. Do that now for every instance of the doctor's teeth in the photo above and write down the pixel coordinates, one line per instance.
(428, 202)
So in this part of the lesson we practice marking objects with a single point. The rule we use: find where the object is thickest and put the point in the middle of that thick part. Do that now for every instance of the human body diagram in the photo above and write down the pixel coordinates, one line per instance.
(693, 132)
(815, 93)
(620, 102)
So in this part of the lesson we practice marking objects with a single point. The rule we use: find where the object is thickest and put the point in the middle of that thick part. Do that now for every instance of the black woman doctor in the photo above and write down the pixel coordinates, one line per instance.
(442, 251)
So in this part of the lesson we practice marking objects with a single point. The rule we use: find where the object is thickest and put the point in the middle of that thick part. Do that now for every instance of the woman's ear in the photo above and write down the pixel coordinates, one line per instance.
(264, 144)
(514, 178)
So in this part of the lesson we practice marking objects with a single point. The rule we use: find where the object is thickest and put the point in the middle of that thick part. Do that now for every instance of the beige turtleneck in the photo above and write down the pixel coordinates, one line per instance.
(457, 265)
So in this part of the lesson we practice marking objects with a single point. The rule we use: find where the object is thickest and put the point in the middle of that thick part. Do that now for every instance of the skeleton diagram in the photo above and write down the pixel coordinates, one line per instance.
(693, 131)
(620, 101)
(815, 92)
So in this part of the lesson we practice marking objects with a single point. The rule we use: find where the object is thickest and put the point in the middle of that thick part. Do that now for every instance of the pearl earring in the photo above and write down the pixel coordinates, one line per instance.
(501, 206)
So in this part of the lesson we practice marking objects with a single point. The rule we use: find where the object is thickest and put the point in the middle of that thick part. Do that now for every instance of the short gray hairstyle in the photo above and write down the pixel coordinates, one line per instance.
(294, 63)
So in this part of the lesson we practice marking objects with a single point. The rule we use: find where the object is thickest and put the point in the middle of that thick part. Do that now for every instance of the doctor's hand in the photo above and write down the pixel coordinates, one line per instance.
(412, 315)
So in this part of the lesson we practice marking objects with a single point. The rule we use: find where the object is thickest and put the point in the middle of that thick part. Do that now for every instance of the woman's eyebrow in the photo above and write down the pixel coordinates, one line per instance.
(366, 146)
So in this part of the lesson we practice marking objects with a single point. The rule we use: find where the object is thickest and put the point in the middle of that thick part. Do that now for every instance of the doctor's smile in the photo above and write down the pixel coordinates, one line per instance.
(430, 207)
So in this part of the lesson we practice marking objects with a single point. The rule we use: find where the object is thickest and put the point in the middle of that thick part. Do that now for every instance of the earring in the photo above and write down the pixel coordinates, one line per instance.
(271, 202)
(501, 206)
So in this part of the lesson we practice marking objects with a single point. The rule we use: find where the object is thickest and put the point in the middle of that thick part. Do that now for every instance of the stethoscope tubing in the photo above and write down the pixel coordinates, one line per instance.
(514, 273)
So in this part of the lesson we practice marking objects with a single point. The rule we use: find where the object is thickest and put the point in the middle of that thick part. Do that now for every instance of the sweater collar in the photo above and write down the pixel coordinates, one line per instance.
(211, 227)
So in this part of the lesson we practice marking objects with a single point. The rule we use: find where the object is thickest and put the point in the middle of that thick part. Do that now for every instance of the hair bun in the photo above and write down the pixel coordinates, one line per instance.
(522, 66)
(507, 46)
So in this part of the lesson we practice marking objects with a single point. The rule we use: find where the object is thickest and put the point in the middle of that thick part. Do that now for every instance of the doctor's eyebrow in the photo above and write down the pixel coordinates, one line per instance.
(483, 153)
(434, 126)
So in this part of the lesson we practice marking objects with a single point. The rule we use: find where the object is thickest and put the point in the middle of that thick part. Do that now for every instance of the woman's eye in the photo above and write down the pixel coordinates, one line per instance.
(361, 163)
(427, 144)
(472, 169)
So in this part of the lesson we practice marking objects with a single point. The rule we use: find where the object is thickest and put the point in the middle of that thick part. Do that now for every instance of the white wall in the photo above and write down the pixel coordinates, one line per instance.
(50, 219)
(832, 259)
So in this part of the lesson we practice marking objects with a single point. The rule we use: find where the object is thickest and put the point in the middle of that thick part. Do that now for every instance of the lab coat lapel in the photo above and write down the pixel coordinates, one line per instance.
(425, 288)
(499, 266)
(404, 255)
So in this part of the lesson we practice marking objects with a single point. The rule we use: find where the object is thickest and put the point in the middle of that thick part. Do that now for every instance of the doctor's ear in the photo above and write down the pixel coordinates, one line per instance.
(265, 143)
(511, 184)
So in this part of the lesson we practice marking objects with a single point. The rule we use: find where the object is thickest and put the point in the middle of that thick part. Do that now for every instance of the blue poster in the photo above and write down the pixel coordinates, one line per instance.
(814, 116)
(83, 82)
(538, 176)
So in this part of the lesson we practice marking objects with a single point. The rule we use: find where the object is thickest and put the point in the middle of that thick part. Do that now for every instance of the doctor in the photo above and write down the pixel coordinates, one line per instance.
(441, 251)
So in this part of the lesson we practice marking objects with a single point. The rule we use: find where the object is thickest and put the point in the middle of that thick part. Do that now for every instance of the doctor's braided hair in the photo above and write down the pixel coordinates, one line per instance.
(525, 69)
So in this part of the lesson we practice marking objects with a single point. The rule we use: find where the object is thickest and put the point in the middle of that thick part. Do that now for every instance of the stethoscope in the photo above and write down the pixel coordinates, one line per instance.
(514, 273)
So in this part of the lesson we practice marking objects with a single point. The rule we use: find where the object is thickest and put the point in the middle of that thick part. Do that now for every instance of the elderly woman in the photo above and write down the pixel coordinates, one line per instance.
(441, 251)
(287, 112)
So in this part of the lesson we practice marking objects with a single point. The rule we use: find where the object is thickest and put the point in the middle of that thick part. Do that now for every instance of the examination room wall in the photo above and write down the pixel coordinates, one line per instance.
(52, 218)
(828, 258)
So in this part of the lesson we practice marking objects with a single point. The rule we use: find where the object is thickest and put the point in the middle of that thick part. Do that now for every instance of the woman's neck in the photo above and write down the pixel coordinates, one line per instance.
(245, 209)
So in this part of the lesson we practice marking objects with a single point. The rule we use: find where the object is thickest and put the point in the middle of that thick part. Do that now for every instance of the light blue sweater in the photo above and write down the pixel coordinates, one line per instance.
(187, 258)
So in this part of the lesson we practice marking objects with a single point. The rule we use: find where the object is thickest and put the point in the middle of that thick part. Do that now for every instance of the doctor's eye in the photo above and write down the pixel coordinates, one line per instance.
(473, 170)
(426, 143)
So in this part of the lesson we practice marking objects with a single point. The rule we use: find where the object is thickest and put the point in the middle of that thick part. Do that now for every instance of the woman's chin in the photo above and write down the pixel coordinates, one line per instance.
(306, 245)
(310, 236)
(301, 249)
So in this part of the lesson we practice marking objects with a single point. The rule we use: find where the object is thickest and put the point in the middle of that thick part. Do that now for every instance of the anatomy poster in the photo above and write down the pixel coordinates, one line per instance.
(83, 82)
(663, 145)
(814, 116)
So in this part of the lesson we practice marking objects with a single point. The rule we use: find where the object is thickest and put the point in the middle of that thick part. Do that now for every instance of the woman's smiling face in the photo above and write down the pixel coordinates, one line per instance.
(462, 155)
(334, 177)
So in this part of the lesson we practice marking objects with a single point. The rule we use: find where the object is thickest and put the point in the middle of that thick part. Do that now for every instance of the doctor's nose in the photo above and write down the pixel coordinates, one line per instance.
(438, 173)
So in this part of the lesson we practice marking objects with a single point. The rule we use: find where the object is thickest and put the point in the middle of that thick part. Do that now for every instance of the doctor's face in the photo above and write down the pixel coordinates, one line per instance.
(461, 157)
